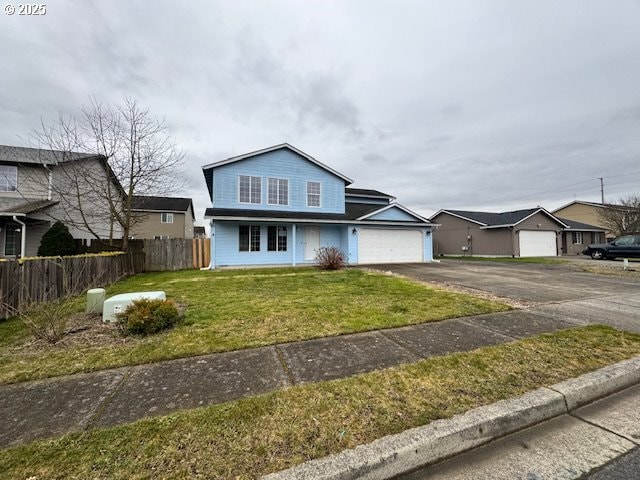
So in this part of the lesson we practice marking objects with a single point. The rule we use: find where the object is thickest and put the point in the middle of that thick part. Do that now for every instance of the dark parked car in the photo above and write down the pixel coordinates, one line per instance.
(625, 246)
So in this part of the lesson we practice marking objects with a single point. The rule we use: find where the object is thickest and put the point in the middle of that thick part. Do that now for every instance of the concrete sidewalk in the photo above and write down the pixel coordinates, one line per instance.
(53, 407)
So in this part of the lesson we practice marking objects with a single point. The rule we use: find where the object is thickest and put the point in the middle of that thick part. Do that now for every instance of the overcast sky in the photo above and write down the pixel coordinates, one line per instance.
(484, 105)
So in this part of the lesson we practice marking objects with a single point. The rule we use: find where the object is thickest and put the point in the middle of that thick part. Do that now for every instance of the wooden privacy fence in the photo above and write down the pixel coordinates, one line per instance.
(176, 254)
(38, 280)
(23, 283)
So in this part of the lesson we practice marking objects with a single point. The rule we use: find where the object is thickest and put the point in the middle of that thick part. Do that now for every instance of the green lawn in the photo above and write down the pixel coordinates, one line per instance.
(248, 308)
(254, 436)
(540, 260)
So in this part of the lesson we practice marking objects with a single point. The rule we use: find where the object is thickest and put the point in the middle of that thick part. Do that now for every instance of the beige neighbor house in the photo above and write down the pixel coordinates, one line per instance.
(589, 213)
(521, 233)
(38, 187)
(162, 217)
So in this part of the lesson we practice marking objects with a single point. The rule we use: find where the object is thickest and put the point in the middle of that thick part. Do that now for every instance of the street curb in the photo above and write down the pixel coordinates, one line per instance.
(418, 447)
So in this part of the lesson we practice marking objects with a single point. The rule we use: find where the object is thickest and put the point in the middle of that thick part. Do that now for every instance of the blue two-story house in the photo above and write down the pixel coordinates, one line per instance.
(278, 205)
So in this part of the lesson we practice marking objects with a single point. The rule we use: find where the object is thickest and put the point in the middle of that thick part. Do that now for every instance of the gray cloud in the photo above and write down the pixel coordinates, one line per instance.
(465, 104)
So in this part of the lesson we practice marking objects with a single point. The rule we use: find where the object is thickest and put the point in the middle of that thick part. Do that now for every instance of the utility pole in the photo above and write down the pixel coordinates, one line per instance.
(602, 190)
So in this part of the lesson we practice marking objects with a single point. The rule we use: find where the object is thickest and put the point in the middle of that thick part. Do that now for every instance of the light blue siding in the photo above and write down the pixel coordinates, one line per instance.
(373, 201)
(353, 244)
(225, 244)
(428, 245)
(393, 213)
(281, 163)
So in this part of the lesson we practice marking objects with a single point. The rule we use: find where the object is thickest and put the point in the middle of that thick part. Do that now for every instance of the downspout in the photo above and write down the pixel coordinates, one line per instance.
(23, 239)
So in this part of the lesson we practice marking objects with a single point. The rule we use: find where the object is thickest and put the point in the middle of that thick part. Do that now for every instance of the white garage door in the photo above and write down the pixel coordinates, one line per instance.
(537, 244)
(378, 245)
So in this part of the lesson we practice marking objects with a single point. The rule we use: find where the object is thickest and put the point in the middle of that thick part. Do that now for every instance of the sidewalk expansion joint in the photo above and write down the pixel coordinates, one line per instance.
(602, 427)
(284, 365)
(107, 400)
(488, 329)
(404, 347)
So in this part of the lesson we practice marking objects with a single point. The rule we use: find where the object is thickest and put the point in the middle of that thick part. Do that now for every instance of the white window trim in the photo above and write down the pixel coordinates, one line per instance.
(250, 226)
(278, 191)
(5, 178)
(319, 194)
(250, 202)
(579, 239)
(169, 215)
(277, 227)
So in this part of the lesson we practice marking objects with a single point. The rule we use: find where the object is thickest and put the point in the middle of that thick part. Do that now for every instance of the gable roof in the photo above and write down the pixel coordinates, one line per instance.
(207, 170)
(591, 204)
(365, 192)
(497, 220)
(394, 205)
(354, 213)
(39, 156)
(161, 204)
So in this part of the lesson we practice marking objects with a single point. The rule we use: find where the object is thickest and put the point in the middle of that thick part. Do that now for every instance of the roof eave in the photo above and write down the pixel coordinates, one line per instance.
(238, 158)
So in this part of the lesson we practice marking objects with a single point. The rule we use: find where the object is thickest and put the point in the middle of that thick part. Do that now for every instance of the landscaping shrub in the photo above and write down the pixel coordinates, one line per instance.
(330, 258)
(146, 316)
(57, 241)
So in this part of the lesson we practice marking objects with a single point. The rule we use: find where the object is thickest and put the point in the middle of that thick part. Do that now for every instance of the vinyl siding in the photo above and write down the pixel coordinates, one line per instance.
(393, 213)
(451, 236)
(150, 224)
(226, 246)
(33, 182)
(579, 212)
(278, 164)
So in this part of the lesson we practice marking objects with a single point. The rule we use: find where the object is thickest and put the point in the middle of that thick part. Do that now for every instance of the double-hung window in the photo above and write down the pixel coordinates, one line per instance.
(577, 237)
(10, 241)
(8, 178)
(250, 189)
(166, 218)
(313, 194)
(277, 191)
(277, 238)
(249, 238)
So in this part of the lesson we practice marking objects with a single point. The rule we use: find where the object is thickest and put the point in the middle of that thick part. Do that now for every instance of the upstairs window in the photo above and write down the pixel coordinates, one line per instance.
(8, 178)
(277, 238)
(313, 194)
(278, 191)
(249, 238)
(166, 218)
(250, 190)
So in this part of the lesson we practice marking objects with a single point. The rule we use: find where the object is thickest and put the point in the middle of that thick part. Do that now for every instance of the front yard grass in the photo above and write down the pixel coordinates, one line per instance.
(258, 435)
(238, 309)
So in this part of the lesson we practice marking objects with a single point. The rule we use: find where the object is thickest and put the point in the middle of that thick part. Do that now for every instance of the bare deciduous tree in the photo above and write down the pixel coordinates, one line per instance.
(622, 218)
(123, 142)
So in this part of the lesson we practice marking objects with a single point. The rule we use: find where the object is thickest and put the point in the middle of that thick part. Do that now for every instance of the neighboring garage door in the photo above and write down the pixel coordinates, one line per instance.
(534, 243)
(379, 245)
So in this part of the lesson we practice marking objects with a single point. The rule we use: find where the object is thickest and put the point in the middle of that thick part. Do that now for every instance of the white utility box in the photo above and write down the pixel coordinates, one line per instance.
(119, 303)
(95, 300)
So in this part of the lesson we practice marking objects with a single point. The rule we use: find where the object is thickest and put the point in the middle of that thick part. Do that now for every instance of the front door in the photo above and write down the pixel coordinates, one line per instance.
(311, 242)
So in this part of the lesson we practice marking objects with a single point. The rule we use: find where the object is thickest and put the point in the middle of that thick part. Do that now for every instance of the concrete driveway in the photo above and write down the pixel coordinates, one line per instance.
(557, 291)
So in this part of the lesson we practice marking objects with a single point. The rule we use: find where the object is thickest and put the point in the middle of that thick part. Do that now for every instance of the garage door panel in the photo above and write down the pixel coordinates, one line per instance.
(378, 245)
(534, 243)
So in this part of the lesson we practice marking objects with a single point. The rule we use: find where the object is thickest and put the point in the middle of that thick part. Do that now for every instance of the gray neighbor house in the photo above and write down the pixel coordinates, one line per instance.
(38, 186)
(162, 218)
(533, 232)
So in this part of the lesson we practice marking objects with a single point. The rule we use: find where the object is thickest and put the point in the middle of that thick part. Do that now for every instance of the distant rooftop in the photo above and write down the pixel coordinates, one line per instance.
(39, 156)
